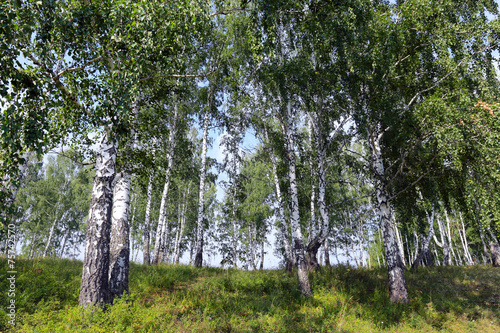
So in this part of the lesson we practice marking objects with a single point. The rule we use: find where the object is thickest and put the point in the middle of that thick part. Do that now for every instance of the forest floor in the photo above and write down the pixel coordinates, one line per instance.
(185, 299)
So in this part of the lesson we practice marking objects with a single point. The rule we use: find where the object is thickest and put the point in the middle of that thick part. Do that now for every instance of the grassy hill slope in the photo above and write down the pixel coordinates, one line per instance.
(185, 299)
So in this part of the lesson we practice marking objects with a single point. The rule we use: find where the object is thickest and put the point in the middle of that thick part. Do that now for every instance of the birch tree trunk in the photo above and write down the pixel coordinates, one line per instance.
(147, 219)
(182, 223)
(425, 256)
(397, 284)
(235, 231)
(94, 287)
(160, 241)
(51, 233)
(322, 234)
(298, 242)
(444, 243)
(119, 244)
(465, 245)
(285, 232)
(66, 235)
(327, 253)
(198, 260)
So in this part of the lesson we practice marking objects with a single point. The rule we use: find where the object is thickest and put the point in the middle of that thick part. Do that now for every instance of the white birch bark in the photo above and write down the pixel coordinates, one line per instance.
(298, 242)
(159, 248)
(313, 230)
(444, 243)
(285, 232)
(183, 224)
(465, 245)
(51, 233)
(235, 230)
(198, 261)
(397, 284)
(424, 255)
(145, 250)
(119, 243)
(66, 235)
(400, 242)
(94, 286)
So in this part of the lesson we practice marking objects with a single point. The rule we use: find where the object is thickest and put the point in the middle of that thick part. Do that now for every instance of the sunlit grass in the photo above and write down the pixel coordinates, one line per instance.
(185, 299)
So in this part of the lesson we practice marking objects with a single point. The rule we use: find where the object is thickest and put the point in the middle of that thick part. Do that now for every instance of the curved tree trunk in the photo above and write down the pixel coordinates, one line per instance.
(94, 287)
(119, 244)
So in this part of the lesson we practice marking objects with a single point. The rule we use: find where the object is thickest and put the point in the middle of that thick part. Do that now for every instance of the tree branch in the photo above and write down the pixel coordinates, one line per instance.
(73, 69)
(176, 75)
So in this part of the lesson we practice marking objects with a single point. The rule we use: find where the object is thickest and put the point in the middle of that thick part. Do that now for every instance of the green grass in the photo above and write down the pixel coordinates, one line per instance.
(185, 299)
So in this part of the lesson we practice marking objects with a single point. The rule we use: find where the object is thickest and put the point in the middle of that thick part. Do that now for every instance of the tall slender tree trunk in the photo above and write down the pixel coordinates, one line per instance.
(66, 235)
(235, 230)
(145, 250)
(94, 287)
(49, 240)
(119, 244)
(444, 243)
(198, 260)
(397, 284)
(285, 232)
(313, 230)
(160, 242)
(298, 242)
(321, 235)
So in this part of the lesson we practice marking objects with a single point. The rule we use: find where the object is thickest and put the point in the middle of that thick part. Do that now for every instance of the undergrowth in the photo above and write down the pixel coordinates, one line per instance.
(186, 299)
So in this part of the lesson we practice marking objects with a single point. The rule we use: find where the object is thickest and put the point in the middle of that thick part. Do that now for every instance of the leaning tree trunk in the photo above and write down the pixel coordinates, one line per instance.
(49, 240)
(298, 242)
(463, 239)
(198, 260)
(119, 244)
(94, 287)
(159, 249)
(397, 284)
(285, 232)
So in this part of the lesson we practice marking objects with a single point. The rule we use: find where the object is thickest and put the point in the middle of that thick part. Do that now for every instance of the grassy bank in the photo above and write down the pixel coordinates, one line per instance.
(185, 299)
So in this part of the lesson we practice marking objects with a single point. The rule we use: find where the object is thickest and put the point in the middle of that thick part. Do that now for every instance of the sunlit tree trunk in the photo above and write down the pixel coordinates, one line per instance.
(182, 224)
(119, 244)
(198, 260)
(147, 219)
(321, 234)
(94, 286)
(397, 284)
(285, 232)
(298, 242)
(235, 230)
(51, 233)
(161, 230)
